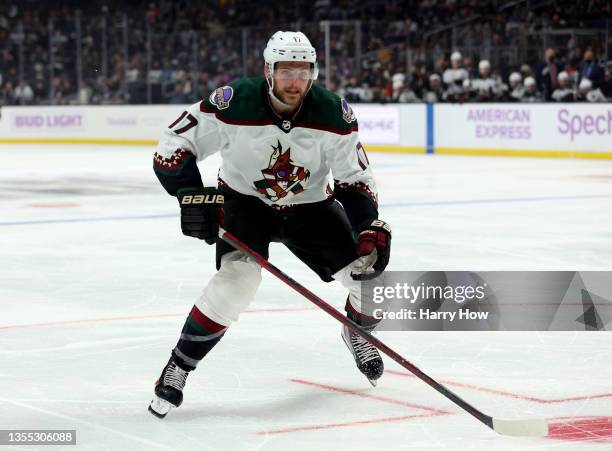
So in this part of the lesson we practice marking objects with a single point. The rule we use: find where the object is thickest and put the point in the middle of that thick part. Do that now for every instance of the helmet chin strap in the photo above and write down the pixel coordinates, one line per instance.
(273, 96)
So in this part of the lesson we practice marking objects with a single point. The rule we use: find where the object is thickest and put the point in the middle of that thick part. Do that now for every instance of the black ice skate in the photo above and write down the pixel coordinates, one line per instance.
(168, 389)
(366, 356)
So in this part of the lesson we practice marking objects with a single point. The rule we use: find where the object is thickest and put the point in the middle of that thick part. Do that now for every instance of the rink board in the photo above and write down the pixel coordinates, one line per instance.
(512, 129)
(525, 130)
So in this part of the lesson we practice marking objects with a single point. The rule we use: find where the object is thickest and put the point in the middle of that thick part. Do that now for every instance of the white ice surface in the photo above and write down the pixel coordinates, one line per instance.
(96, 280)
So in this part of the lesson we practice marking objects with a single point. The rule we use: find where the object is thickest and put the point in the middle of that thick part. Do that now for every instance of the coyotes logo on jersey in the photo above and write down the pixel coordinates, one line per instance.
(281, 177)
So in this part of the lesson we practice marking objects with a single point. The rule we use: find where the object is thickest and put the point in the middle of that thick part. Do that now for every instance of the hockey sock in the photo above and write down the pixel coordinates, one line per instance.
(199, 335)
(367, 322)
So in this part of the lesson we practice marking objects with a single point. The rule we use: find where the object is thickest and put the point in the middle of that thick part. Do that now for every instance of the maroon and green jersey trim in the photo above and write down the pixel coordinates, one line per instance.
(248, 106)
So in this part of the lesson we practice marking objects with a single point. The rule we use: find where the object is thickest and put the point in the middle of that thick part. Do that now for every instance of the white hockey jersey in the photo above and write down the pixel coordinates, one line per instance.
(281, 161)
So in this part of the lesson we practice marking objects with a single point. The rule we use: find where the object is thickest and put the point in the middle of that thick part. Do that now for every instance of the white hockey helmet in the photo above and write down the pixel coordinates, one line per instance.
(290, 46)
(585, 84)
(515, 77)
(484, 65)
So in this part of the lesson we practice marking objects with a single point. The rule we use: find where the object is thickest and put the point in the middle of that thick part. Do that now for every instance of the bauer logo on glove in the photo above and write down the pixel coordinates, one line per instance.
(200, 210)
(202, 199)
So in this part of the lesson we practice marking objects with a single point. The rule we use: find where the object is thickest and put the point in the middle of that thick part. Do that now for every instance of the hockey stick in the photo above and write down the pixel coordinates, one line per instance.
(519, 428)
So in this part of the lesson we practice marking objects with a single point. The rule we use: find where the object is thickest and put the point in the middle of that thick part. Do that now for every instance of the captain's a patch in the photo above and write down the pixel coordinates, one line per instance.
(347, 112)
(221, 97)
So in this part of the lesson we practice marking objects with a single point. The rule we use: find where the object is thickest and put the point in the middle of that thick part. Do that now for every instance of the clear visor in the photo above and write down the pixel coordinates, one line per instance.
(294, 74)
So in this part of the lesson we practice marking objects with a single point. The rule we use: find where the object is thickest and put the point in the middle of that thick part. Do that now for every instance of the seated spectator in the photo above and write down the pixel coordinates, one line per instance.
(485, 85)
(468, 65)
(565, 92)
(366, 94)
(7, 95)
(397, 84)
(407, 95)
(353, 90)
(435, 93)
(531, 93)
(516, 87)
(500, 89)
(468, 91)
(591, 70)
(23, 93)
(418, 79)
(84, 95)
(526, 71)
(606, 87)
(586, 92)
(178, 96)
(454, 92)
(40, 91)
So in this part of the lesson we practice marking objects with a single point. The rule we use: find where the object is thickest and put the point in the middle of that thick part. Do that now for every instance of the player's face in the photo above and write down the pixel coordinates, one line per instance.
(291, 81)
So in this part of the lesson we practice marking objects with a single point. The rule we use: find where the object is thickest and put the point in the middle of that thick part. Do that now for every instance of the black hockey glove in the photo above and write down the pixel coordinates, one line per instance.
(200, 211)
(373, 243)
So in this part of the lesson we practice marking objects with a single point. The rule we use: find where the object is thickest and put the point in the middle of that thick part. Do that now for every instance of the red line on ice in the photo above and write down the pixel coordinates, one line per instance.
(348, 391)
(431, 411)
(142, 317)
(54, 205)
(509, 394)
(581, 429)
(347, 424)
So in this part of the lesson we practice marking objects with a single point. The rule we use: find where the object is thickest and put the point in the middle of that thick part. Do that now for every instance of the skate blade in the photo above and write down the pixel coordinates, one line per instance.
(373, 382)
(160, 407)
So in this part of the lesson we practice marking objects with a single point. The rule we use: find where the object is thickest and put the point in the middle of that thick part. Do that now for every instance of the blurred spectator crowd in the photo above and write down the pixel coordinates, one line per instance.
(459, 82)
(112, 52)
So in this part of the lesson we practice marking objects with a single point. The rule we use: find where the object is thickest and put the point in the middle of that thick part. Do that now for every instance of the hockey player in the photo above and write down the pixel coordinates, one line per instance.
(516, 87)
(455, 72)
(586, 93)
(292, 171)
(565, 91)
(531, 93)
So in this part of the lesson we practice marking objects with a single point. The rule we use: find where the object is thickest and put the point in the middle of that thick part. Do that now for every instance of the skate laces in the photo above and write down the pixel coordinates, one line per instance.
(363, 349)
(175, 377)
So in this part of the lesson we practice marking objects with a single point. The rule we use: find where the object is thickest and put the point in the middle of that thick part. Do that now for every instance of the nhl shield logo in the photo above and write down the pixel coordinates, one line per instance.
(221, 97)
(286, 125)
(281, 177)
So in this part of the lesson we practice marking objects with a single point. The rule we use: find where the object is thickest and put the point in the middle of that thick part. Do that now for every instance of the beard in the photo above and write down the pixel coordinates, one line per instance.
(293, 98)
